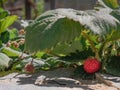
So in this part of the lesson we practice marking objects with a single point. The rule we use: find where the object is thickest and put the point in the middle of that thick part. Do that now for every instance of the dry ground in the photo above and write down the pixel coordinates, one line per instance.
(59, 79)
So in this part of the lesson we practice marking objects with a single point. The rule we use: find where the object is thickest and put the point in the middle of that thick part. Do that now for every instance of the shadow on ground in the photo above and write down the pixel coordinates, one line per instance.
(56, 78)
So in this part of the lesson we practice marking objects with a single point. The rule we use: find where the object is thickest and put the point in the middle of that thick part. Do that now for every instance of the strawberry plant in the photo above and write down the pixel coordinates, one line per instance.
(12, 55)
(5, 21)
(11, 41)
(63, 31)
(86, 40)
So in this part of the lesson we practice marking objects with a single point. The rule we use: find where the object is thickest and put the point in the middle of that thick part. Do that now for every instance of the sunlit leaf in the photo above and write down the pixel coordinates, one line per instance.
(12, 53)
(64, 25)
(13, 33)
(114, 36)
(39, 54)
(108, 4)
(4, 60)
(6, 22)
(111, 3)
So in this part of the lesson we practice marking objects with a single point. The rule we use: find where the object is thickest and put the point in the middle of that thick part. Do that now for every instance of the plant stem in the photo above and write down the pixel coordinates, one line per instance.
(91, 45)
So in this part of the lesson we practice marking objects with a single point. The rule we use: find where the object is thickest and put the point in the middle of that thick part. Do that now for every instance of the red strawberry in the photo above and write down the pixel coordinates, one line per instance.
(91, 65)
(29, 68)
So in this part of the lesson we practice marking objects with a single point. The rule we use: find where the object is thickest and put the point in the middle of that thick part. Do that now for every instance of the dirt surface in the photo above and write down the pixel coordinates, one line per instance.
(59, 79)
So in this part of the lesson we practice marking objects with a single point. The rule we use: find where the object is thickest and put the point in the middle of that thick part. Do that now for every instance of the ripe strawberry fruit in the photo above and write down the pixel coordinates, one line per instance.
(29, 68)
(91, 65)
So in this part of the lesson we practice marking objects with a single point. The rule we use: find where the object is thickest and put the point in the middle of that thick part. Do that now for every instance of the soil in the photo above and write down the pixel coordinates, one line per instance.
(59, 79)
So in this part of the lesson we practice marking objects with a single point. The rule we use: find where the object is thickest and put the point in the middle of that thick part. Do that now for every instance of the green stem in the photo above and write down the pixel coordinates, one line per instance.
(101, 50)
(91, 45)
